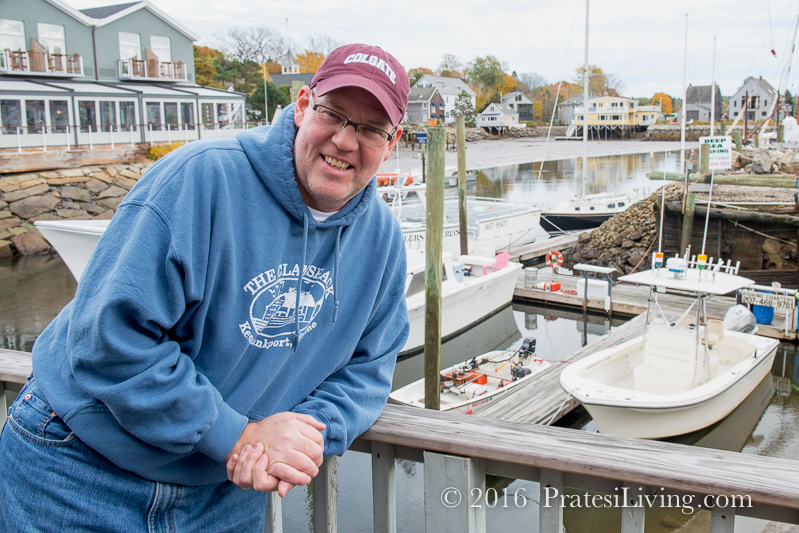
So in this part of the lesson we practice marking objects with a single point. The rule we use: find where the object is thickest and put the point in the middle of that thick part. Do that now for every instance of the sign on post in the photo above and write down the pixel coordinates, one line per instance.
(720, 151)
(766, 299)
(421, 137)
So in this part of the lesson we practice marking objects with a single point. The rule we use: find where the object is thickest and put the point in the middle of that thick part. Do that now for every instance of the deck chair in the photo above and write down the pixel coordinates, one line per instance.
(500, 262)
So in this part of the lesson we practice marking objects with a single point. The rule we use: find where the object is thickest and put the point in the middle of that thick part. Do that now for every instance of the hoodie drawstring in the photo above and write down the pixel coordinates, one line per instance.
(299, 281)
(335, 276)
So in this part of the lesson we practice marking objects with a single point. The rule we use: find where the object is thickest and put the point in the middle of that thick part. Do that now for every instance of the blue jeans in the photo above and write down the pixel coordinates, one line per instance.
(51, 481)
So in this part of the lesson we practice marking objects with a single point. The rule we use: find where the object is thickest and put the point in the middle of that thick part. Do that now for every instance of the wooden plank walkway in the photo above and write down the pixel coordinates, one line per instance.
(631, 300)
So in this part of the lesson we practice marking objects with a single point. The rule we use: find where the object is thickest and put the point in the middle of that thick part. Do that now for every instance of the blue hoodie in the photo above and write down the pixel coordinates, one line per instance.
(191, 318)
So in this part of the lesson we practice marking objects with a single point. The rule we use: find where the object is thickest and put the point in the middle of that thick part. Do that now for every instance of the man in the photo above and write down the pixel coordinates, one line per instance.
(240, 318)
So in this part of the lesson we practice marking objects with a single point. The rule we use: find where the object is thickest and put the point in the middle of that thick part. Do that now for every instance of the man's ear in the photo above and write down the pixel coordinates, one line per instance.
(393, 143)
(303, 104)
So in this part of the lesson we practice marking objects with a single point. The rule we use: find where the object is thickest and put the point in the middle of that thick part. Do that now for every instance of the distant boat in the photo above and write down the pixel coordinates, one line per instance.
(682, 374)
(584, 212)
(473, 384)
(493, 224)
(74, 240)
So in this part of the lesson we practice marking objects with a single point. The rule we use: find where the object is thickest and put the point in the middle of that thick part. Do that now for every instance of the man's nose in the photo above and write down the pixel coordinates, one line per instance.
(346, 138)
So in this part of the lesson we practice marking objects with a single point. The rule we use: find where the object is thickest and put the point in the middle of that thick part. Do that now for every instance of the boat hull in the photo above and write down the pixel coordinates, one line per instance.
(463, 304)
(562, 222)
(74, 240)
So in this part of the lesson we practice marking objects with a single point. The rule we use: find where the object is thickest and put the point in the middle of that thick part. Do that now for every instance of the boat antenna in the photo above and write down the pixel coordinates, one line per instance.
(713, 95)
(585, 102)
(662, 203)
(684, 89)
(707, 216)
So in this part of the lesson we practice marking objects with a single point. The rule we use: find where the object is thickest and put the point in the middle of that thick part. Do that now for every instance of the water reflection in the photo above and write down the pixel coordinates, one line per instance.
(33, 290)
(562, 179)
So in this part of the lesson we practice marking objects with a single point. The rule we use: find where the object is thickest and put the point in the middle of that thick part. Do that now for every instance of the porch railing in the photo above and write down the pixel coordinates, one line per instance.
(32, 63)
(458, 451)
(152, 69)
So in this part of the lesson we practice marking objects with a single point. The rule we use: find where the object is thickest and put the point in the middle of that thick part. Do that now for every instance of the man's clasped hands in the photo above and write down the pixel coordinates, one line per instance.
(277, 453)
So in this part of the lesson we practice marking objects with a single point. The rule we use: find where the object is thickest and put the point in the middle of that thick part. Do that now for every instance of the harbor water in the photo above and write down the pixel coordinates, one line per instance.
(34, 289)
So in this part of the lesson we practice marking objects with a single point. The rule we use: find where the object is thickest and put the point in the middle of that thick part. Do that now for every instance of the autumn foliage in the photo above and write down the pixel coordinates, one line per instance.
(309, 62)
(666, 105)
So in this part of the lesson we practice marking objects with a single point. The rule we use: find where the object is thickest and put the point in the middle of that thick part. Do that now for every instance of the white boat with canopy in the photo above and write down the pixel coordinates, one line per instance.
(685, 372)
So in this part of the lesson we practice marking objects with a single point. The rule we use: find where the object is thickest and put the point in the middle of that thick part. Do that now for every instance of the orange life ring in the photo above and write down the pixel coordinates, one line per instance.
(554, 259)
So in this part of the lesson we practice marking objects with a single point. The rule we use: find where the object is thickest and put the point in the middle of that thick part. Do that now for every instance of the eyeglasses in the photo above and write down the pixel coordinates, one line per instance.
(334, 121)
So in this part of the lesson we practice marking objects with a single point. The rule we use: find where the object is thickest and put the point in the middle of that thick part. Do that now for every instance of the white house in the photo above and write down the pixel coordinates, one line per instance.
(521, 104)
(449, 89)
(497, 117)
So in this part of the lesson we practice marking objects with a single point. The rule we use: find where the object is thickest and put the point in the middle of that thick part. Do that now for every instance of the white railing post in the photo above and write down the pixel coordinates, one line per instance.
(19, 142)
(131, 135)
(69, 146)
(91, 144)
(632, 515)
(273, 522)
(324, 498)
(722, 520)
(384, 497)
(112, 136)
(454, 494)
(44, 138)
(217, 129)
(150, 130)
(550, 511)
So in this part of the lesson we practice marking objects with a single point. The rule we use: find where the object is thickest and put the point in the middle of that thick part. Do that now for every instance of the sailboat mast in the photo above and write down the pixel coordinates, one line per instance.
(713, 94)
(585, 103)
(684, 89)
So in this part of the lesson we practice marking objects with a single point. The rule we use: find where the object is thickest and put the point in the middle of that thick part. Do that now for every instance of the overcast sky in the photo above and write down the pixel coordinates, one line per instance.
(642, 42)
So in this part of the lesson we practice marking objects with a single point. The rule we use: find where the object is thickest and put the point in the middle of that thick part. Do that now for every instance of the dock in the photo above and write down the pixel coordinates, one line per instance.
(631, 300)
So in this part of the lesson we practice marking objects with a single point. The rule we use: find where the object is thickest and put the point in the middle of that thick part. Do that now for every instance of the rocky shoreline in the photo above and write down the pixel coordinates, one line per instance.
(74, 194)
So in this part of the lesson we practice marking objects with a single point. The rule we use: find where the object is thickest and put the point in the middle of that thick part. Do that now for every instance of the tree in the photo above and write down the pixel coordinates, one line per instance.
(643, 101)
(257, 43)
(309, 62)
(463, 106)
(533, 80)
(450, 66)
(487, 77)
(599, 82)
(204, 69)
(275, 96)
(666, 106)
(790, 101)
(415, 73)
(538, 111)
(243, 76)
(322, 44)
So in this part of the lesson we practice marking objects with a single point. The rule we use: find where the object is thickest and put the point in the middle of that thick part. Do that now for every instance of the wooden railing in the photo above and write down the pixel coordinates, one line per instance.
(458, 451)
(30, 62)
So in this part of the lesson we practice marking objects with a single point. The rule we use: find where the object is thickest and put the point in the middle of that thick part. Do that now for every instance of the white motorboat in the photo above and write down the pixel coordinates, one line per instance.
(74, 240)
(473, 384)
(682, 374)
(493, 224)
(584, 212)
(472, 289)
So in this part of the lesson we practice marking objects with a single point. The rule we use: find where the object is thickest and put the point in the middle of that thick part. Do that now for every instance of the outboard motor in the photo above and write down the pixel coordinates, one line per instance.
(739, 318)
(528, 347)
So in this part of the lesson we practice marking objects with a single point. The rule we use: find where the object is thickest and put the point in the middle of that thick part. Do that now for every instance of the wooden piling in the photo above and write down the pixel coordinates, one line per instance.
(687, 221)
(460, 133)
(756, 139)
(736, 136)
(704, 159)
(437, 144)
(781, 133)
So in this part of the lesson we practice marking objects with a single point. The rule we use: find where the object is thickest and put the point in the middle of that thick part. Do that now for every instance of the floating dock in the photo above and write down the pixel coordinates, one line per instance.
(536, 250)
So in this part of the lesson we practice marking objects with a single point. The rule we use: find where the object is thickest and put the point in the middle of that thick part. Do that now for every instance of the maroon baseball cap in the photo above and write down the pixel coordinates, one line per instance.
(370, 68)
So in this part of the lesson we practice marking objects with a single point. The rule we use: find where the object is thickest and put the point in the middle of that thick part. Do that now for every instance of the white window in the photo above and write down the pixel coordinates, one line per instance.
(51, 36)
(12, 35)
(159, 45)
(129, 45)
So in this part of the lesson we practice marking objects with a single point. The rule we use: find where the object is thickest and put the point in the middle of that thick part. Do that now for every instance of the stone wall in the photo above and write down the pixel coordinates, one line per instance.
(671, 132)
(75, 193)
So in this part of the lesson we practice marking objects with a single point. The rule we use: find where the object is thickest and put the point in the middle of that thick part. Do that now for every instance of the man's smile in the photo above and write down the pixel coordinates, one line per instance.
(335, 163)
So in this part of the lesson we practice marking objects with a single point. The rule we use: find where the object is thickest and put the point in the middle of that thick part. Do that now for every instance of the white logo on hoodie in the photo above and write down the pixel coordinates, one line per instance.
(273, 311)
